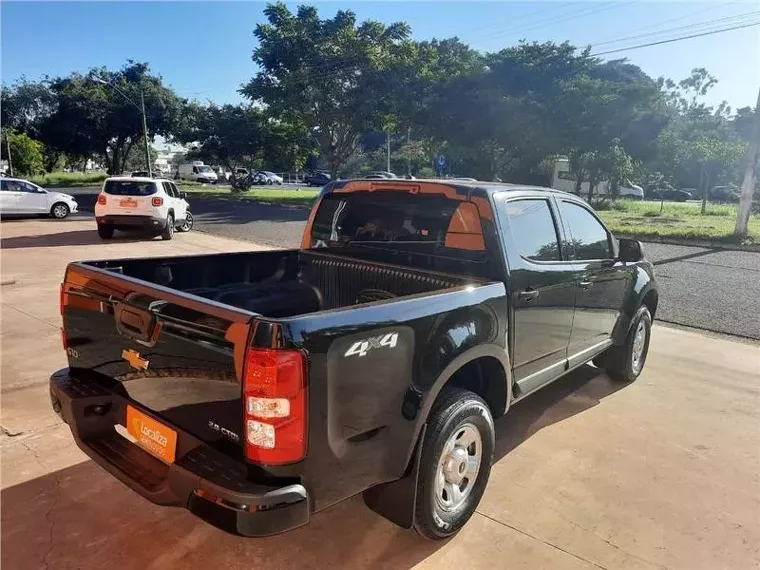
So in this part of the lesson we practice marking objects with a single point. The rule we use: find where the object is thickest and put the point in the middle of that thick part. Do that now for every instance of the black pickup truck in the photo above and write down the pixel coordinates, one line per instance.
(256, 389)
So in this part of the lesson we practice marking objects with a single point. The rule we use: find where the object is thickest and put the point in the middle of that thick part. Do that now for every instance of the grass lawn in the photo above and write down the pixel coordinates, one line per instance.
(678, 220)
(70, 179)
(290, 196)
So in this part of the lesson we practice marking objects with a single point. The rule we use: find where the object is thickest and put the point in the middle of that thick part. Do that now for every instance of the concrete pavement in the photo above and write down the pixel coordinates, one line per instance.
(589, 474)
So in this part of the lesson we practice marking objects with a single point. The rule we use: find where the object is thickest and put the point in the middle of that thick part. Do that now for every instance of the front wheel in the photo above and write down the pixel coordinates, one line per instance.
(188, 223)
(456, 462)
(59, 211)
(625, 363)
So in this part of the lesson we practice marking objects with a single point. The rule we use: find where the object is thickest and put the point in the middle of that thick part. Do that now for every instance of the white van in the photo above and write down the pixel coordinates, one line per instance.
(197, 172)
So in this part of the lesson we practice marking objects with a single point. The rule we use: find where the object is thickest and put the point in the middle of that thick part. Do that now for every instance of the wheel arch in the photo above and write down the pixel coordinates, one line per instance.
(59, 203)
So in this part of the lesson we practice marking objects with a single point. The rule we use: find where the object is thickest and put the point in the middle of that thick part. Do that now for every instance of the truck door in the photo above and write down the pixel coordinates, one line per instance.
(542, 287)
(602, 280)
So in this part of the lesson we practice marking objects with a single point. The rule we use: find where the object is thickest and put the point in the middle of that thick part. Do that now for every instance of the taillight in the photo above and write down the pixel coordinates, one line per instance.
(274, 406)
(157, 201)
(62, 298)
(102, 199)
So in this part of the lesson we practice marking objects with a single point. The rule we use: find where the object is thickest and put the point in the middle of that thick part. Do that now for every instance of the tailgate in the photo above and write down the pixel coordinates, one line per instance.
(177, 358)
(132, 205)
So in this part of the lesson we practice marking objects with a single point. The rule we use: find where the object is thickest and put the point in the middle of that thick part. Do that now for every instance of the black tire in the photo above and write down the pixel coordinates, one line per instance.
(168, 232)
(105, 231)
(455, 411)
(59, 211)
(187, 224)
(619, 361)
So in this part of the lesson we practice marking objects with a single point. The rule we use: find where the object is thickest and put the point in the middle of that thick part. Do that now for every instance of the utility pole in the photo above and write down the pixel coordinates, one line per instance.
(388, 147)
(10, 161)
(408, 150)
(145, 134)
(141, 107)
(748, 184)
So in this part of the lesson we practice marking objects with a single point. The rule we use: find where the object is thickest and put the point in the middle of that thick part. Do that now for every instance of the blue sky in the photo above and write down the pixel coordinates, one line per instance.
(203, 49)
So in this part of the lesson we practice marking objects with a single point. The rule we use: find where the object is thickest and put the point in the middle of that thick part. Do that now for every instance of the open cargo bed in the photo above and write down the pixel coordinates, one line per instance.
(281, 283)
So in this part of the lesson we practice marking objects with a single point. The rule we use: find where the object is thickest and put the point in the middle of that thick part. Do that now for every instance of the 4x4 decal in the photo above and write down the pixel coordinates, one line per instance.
(362, 347)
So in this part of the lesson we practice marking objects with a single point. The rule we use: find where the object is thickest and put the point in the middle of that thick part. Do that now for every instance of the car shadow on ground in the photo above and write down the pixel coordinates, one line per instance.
(61, 239)
(80, 516)
(577, 392)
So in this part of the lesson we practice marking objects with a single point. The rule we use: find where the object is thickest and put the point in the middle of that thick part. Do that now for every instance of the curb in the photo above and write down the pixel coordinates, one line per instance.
(693, 243)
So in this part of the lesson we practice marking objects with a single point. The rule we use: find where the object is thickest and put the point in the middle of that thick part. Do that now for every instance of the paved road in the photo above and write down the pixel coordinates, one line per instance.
(715, 290)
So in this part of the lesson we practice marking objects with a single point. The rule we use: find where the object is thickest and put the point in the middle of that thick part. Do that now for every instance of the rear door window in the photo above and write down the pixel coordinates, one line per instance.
(169, 190)
(129, 188)
(533, 229)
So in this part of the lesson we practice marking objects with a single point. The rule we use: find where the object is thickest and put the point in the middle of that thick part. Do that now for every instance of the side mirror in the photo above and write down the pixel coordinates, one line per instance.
(630, 250)
(183, 195)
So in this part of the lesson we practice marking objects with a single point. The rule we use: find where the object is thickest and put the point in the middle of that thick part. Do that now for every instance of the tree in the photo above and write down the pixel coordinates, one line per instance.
(135, 159)
(105, 119)
(26, 153)
(25, 105)
(327, 75)
(243, 135)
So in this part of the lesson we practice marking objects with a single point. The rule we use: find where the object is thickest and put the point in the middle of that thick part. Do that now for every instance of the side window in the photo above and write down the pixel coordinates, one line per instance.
(533, 229)
(176, 190)
(4, 186)
(169, 189)
(589, 238)
(195, 170)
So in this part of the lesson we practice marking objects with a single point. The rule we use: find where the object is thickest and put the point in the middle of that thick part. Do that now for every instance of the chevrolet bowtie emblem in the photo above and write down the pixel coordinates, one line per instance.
(134, 359)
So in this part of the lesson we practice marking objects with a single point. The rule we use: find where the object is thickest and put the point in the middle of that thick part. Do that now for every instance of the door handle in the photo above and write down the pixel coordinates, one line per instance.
(528, 295)
(585, 285)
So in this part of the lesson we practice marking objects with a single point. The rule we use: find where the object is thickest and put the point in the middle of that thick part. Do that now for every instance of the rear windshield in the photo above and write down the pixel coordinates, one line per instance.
(129, 188)
(392, 218)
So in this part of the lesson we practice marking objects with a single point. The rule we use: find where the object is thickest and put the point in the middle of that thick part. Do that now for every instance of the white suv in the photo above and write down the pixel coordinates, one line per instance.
(137, 203)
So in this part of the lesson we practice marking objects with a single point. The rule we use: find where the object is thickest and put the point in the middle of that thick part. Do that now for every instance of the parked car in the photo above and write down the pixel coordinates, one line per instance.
(380, 174)
(142, 204)
(141, 174)
(197, 172)
(266, 177)
(222, 174)
(18, 196)
(631, 190)
(238, 385)
(673, 195)
(729, 194)
(317, 179)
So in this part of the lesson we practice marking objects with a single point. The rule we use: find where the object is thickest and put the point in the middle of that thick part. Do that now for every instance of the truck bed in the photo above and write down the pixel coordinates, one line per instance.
(281, 283)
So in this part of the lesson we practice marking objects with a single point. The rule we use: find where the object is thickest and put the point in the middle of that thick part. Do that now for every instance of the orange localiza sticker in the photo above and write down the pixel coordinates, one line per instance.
(151, 435)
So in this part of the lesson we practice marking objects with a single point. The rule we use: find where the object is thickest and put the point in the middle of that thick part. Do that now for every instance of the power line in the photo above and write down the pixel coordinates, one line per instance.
(678, 39)
(583, 11)
(679, 18)
(695, 25)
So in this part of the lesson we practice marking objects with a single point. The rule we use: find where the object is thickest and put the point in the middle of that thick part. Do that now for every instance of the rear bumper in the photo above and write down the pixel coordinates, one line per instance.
(211, 485)
(133, 222)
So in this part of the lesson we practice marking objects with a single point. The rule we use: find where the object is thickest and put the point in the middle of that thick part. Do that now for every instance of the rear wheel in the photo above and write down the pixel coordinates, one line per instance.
(188, 223)
(105, 231)
(168, 232)
(59, 211)
(455, 464)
